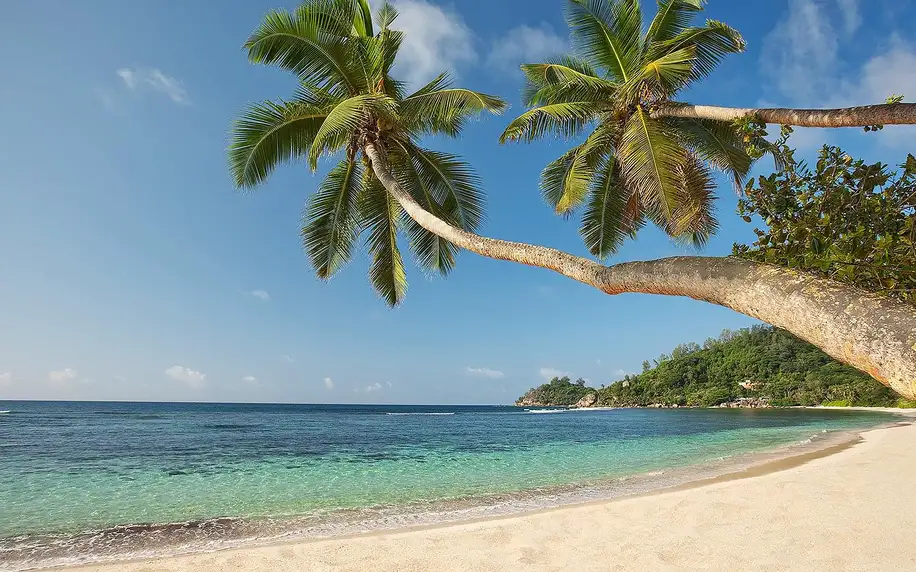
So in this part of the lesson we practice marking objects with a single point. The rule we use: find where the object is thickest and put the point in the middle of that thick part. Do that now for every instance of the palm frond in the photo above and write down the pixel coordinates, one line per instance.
(712, 42)
(649, 158)
(341, 121)
(386, 15)
(672, 17)
(362, 22)
(438, 108)
(381, 214)
(311, 43)
(452, 184)
(268, 134)
(603, 227)
(331, 222)
(665, 75)
(694, 220)
(379, 53)
(565, 182)
(608, 34)
(717, 143)
(564, 79)
(562, 119)
(433, 253)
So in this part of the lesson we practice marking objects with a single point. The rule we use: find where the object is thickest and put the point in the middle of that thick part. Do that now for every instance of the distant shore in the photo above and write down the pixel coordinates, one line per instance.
(844, 495)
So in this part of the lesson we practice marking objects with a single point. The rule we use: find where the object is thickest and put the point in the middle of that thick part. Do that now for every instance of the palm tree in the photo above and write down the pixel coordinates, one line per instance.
(632, 166)
(348, 103)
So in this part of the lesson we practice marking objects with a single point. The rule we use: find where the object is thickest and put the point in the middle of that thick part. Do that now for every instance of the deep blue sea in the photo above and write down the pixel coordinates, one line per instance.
(83, 482)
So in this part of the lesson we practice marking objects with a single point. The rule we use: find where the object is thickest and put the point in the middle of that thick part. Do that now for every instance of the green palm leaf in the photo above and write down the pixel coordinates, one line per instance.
(381, 214)
(608, 33)
(269, 133)
(344, 119)
(331, 221)
(712, 42)
(439, 108)
(565, 79)
(452, 183)
(562, 119)
(433, 253)
(717, 143)
(310, 42)
(565, 182)
(650, 159)
(672, 17)
(603, 227)
(665, 75)
(694, 220)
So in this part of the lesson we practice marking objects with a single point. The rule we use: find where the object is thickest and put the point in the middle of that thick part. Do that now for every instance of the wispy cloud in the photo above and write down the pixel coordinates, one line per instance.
(192, 378)
(62, 375)
(287, 358)
(621, 372)
(801, 57)
(154, 79)
(374, 387)
(525, 45)
(261, 295)
(329, 383)
(436, 39)
(549, 373)
(250, 379)
(484, 372)
(5, 377)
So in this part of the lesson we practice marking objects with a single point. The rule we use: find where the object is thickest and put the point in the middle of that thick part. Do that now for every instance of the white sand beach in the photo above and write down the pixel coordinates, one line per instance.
(852, 509)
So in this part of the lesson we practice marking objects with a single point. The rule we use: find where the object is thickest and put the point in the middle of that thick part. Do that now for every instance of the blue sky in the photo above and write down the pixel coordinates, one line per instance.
(131, 269)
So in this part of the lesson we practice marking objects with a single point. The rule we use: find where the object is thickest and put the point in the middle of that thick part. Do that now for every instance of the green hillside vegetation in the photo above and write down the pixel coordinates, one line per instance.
(559, 391)
(769, 362)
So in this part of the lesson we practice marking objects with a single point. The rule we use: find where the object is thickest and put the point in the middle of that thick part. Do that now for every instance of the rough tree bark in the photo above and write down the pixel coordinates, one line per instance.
(874, 334)
(884, 114)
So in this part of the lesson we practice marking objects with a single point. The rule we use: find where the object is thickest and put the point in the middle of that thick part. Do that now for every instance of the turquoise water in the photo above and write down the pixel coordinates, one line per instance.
(82, 482)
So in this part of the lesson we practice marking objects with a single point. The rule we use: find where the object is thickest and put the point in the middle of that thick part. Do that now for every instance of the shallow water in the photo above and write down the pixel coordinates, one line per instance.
(82, 482)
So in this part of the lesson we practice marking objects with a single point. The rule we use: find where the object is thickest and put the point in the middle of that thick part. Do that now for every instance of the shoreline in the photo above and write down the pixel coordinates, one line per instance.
(791, 514)
(693, 477)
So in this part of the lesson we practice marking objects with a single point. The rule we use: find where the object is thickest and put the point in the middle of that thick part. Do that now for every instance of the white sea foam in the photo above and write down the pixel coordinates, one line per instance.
(400, 413)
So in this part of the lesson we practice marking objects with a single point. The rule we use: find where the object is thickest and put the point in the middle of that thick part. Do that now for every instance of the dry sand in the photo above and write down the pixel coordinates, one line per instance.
(854, 509)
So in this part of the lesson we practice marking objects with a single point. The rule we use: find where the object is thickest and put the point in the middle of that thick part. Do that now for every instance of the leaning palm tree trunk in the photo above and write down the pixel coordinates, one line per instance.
(874, 334)
(866, 115)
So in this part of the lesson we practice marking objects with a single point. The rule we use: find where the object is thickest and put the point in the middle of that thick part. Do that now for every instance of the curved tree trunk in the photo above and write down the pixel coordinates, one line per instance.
(884, 114)
(874, 334)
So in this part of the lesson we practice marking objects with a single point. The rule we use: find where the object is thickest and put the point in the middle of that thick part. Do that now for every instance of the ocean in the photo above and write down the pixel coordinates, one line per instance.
(87, 482)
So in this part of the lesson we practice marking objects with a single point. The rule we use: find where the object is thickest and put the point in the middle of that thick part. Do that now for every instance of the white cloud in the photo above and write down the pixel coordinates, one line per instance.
(5, 377)
(152, 78)
(329, 383)
(525, 45)
(849, 9)
(375, 387)
(287, 358)
(193, 378)
(801, 56)
(436, 39)
(549, 373)
(261, 295)
(621, 372)
(484, 372)
(388, 383)
(62, 375)
(250, 379)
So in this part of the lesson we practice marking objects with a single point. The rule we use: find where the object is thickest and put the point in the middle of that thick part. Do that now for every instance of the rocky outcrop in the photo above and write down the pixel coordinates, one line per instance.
(589, 400)
(750, 402)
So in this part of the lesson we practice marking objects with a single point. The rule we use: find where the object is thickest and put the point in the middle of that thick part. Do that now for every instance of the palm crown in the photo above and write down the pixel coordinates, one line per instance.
(632, 167)
(345, 100)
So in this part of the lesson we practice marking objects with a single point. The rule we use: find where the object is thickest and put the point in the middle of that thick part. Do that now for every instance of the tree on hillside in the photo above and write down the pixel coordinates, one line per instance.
(348, 103)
